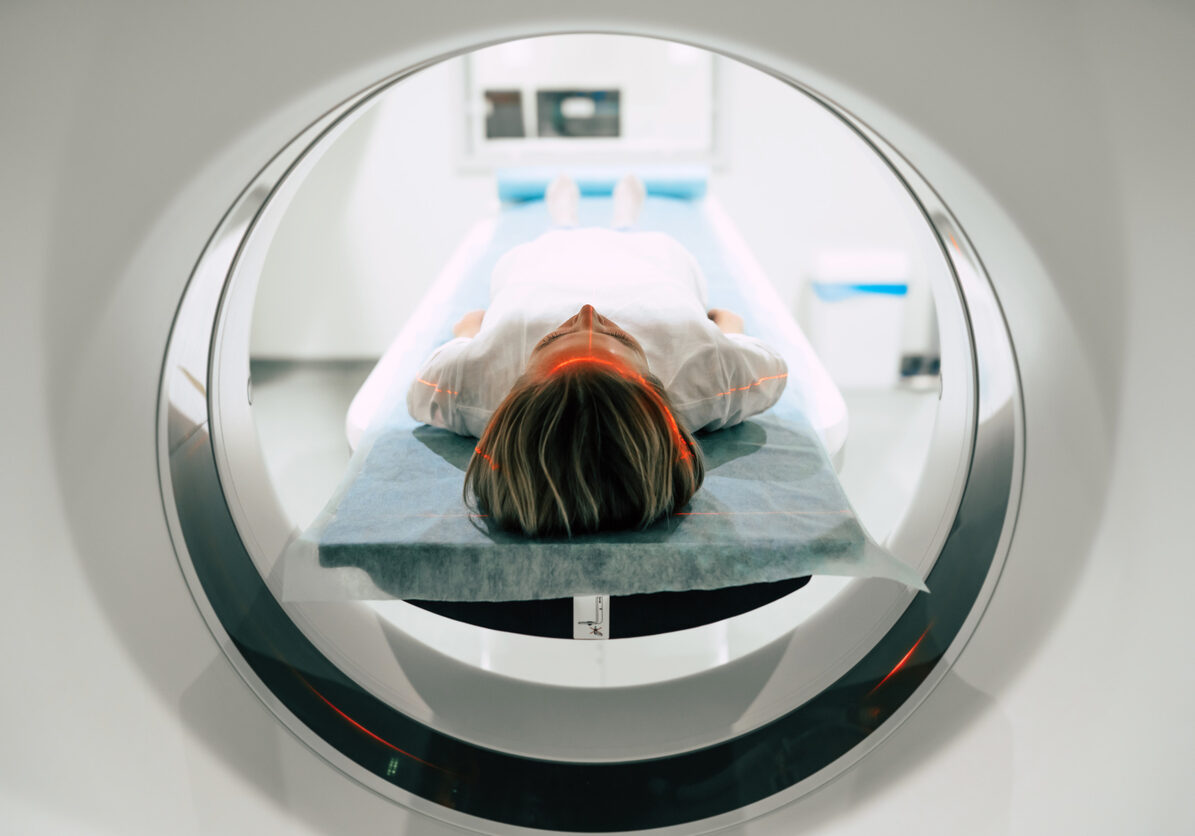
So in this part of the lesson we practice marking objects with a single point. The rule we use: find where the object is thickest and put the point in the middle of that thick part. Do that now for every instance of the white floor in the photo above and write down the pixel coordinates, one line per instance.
(886, 446)
(300, 410)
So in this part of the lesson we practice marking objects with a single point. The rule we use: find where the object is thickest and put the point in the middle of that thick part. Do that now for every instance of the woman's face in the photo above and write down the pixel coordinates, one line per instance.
(586, 337)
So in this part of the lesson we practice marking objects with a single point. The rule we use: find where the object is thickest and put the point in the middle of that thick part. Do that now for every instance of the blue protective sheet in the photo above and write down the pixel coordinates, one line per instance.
(771, 507)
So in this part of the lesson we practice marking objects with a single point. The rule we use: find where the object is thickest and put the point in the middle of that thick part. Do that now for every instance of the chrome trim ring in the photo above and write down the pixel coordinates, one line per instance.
(483, 787)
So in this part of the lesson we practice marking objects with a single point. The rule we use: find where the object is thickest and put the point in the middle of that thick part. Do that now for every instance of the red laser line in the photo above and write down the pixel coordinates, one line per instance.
(366, 731)
(436, 386)
(902, 662)
(486, 456)
(749, 385)
(739, 513)
(597, 361)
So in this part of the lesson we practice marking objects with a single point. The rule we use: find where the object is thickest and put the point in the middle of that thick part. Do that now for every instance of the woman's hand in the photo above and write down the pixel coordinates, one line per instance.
(469, 324)
(728, 322)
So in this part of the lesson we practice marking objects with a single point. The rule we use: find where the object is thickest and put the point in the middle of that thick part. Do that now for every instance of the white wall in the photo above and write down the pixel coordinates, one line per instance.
(665, 103)
(798, 182)
(371, 226)
(385, 207)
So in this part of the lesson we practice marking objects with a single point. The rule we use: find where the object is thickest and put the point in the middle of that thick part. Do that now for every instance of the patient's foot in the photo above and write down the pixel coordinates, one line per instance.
(629, 195)
(563, 197)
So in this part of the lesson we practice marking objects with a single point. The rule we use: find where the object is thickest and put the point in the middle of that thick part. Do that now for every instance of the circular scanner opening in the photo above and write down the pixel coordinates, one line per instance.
(349, 229)
(391, 200)
(378, 218)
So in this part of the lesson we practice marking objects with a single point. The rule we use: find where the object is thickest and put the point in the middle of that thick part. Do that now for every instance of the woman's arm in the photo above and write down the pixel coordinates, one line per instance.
(437, 395)
(758, 376)
(728, 322)
(730, 378)
(469, 324)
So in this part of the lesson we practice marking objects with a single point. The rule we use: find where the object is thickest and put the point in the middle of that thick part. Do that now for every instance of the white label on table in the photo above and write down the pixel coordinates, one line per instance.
(591, 617)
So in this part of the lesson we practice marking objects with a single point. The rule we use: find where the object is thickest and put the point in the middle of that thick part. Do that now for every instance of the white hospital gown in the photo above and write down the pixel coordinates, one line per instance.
(647, 283)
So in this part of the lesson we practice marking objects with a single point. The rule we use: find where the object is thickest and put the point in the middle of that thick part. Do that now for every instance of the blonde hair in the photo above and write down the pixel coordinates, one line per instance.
(586, 448)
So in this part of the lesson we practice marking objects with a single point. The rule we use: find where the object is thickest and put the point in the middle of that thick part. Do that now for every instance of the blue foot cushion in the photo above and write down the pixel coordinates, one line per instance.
(521, 185)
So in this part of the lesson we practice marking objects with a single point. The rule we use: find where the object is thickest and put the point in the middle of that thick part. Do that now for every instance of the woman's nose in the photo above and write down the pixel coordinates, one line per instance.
(585, 317)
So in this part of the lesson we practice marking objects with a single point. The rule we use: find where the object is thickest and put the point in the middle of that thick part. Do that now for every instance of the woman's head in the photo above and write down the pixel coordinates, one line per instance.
(586, 439)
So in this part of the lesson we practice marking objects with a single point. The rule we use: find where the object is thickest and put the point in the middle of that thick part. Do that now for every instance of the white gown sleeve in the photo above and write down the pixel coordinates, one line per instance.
(435, 396)
(740, 377)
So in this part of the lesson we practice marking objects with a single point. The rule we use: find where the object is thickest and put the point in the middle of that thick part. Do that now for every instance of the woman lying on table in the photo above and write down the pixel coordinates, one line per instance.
(586, 424)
